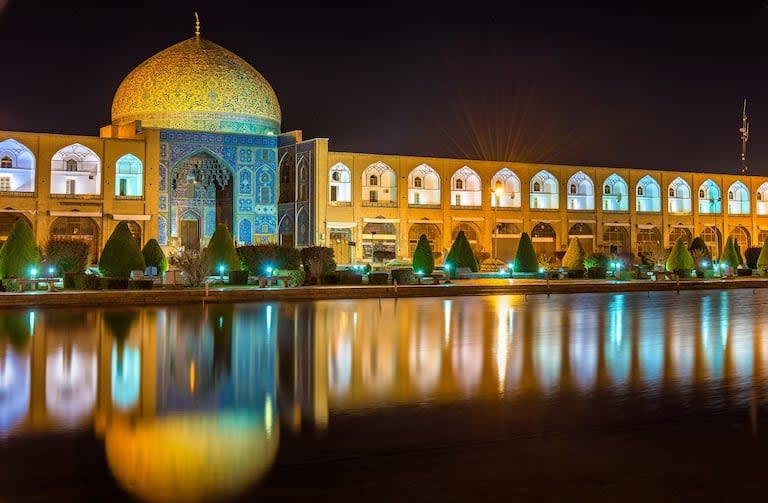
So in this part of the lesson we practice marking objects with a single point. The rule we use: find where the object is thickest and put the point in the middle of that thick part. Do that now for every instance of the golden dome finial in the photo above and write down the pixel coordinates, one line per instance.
(197, 25)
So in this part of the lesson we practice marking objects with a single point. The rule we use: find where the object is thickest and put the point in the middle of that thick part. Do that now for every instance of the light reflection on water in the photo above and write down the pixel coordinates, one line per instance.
(188, 400)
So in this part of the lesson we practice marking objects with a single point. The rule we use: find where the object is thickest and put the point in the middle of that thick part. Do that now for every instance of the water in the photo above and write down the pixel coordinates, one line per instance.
(602, 397)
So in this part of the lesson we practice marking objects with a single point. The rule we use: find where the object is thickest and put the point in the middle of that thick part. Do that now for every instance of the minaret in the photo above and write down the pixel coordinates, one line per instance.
(197, 26)
(744, 131)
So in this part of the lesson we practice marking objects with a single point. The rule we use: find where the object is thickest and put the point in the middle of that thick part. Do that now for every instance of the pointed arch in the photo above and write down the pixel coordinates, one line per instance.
(17, 167)
(76, 170)
(581, 192)
(423, 186)
(505, 189)
(615, 194)
(710, 199)
(738, 199)
(129, 176)
(648, 195)
(545, 193)
(762, 199)
(339, 184)
(466, 188)
(379, 185)
(741, 236)
(679, 196)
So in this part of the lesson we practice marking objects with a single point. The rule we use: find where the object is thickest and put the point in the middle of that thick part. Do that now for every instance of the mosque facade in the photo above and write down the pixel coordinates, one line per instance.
(195, 141)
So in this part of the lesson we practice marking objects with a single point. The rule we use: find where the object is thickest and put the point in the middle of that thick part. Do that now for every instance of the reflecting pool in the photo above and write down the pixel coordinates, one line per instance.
(607, 397)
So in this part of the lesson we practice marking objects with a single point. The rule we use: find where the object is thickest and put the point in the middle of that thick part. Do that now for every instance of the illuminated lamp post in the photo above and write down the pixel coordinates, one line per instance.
(497, 193)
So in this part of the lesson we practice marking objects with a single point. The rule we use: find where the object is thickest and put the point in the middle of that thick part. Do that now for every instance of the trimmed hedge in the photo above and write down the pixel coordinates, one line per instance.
(574, 257)
(378, 278)
(680, 259)
(297, 276)
(238, 277)
(525, 258)
(461, 255)
(87, 282)
(113, 283)
(762, 260)
(738, 252)
(403, 276)
(751, 255)
(140, 284)
(154, 256)
(318, 262)
(222, 252)
(19, 253)
(67, 255)
(256, 258)
(121, 254)
(729, 258)
(347, 277)
(70, 279)
(423, 258)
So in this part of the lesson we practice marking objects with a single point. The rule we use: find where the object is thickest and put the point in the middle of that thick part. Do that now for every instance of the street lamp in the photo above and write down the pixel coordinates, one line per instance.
(498, 191)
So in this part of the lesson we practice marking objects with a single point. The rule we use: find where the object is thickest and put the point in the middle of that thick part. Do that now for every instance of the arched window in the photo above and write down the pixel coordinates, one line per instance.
(379, 185)
(701, 193)
(738, 199)
(679, 197)
(75, 169)
(730, 195)
(545, 193)
(335, 176)
(424, 186)
(21, 178)
(341, 184)
(615, 194)
(648, 195)
(607, 190)
(709, 198)
(506, 189)
(581, 192)
(759, 196)
(6, 162)
(374, 180)
(671, 192)
(467, 188)
(762, 199)
(129, 176)
(536, 187)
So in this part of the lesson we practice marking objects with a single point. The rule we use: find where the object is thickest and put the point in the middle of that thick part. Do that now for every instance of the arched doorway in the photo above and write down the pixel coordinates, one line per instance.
(714, 241)
(507, 239)
(741, 235)
(339, 239)
(379, 241)
(584, 233)
(432, 231)
(80, 228)
(543, 237)
(680, 232)
(648, 240)
(203, 185)
(615, 239)
(7, 221)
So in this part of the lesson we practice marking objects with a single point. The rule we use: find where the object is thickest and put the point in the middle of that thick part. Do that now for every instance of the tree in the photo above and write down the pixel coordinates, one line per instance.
(19, 253)
(121, 254)
(67, 255)
(317, 261)
(423, 259)
(680, 259)
(461, 255)
(700, 254)
(525, 258)
(729, 258)
(762, 260)
(154, 256)
(222, 251)
(574, 256)
(738, 251)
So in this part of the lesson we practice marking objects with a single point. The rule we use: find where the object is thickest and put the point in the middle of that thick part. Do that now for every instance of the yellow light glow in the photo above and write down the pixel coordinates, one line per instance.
(192, 377)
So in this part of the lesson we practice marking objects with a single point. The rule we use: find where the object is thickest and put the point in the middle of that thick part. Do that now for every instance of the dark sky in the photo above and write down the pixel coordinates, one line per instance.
(643, 88)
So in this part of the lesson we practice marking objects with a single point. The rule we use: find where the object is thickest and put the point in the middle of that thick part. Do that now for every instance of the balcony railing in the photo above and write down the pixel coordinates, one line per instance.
(130, 198)
(380, 204)
(11, 193)
(339, 203)
(76, 196)
(465, 207)
(424, 206)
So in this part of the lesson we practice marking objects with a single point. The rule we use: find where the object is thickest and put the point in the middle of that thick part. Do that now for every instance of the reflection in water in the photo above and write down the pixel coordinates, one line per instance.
(188, 400)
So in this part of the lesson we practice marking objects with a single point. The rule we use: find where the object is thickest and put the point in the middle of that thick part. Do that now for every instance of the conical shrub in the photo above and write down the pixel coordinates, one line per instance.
(574, 256)
(121, 254)
(525, 258)
(738, 251)
(729, 257)
(680, 259)
(154, 256)
(762, 260)
(19, 254)
(222, 251)
(423, 259)
(461, 254)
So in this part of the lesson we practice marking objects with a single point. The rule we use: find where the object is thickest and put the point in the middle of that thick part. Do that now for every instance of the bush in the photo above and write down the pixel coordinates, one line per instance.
(423, 258)
(318, 262)
(738, 252)
(627, 260)
(597, 272)
(87, 282)
(743, 272)
(461, 255)
(67, 255)
(194, 263)
(154, 256)
(10, 285)
(140, 284)
(350, 278)
(729, 258)
(112, 283)
(296, 276)
(525, 258)
(378, 278)
(70, 279)
(257, 258)
(762, 260)
(680, 259)
(332, 278)
(238, 277)
(19, 253)
(222, 252)
(121, 254)
(403, 276)
(574, 257)
(751, 255)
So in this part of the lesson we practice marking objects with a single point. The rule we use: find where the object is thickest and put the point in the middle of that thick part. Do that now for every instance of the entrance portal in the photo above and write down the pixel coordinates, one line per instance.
(190, 232)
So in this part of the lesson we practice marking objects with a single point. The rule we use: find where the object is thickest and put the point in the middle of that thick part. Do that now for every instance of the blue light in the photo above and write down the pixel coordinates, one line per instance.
(269, 270)
(447, 266)
(419, 272)
(33, 273)
(705, 263)
(51, 271)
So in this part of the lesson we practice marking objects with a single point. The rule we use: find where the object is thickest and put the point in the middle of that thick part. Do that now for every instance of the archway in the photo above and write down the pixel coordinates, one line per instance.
(379, 241)
(648, 198)
(615, 239)
(615, 194)
(543, 237)
(581, 192)
(741, 235)
(189, 230)
(714, 241)
(339, 239)
(472, 233)
(507, 239)
(584, 233)
(432, 231)
(80, 228)
(680, 232)
(648, 240)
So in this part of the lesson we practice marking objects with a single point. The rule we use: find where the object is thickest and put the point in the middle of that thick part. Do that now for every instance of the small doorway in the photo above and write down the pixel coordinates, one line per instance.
(190, 232)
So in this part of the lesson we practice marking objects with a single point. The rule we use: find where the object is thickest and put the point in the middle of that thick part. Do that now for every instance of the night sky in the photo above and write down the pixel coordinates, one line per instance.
(642, 88)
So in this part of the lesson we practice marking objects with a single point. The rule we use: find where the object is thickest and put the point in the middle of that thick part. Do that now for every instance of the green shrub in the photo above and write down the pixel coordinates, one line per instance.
(525, 258)
(140, 284)
(680, 259)
(751, 255)
(87, 282)
(114, 283)
(378, 278)
(403, 276)
(121, 254)
(11, 285)
(738, 251)
(331, 278)
(297, 276)
(257, 258)
(350, 278)
(70, 279)
(627, 260)
(19, 253)
(729, 257)
(318, 262)
(67, 255)
(222, 252)
(154, 256)
(423, 258)
(461, 255)
(238, 277)
(700, 254)
(597, 272)
(762, 260)
(574, 256)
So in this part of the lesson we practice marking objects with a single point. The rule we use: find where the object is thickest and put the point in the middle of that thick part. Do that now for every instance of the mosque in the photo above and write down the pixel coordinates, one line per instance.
(195, 141)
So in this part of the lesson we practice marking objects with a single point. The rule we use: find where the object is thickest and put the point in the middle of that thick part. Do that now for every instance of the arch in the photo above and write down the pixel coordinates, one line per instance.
(17, 167)
(432, 231)
(505, 187)
(615, 194)
(466, 188)
(581, 192)
(79, 228)
(710, 200)
(679, 200)
(379, 185)
(162, 230)
(741, 235)
(680, 232)
(379, 241)
(584, 233)
(340, 184)
(712, 238)
(424, 186)
(648, 198)
(190, 229)
(303, 180)
(761, 237)
(648, 239)
(738, 199)
(84, 179)
(129, 174)
(545, 194)
(615, 239)
(244, 231)
(762, 199)
(543, 236)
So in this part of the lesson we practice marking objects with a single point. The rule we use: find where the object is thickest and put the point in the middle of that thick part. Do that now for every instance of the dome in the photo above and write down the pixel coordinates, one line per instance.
(200, 86)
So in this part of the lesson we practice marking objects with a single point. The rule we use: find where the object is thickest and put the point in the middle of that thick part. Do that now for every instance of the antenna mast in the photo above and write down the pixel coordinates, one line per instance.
(744, 131)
